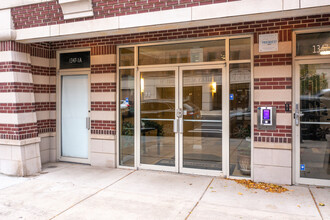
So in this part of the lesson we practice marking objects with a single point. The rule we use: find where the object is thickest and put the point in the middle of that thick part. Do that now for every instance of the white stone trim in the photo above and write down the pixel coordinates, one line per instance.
(15, 77)
(268, 95)
(12, 97)
(103, 59)
(103, 137)
(236, 8)
(103, 96)
(272, 71)
(283, 47)
(159, 17)
(45, 97)
(13, 56)
(102, 115)
(103, 78)
(45, 115)
(313, 3)
(76, 8)
(269, 145)
(231, 12)
(43, 62)
(18, 118)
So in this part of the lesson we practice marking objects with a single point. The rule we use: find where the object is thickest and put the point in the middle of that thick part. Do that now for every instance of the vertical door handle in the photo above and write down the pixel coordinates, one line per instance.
(180, 125)
(297, 115)
(88, 123)
(175, 125)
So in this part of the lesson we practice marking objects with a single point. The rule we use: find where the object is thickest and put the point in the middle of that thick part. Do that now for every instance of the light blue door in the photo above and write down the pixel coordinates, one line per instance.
(74, 116)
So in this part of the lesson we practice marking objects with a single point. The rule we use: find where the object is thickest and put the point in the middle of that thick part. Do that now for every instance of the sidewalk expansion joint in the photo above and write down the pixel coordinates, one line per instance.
(318, 209)
(93, 194)
(199, 199)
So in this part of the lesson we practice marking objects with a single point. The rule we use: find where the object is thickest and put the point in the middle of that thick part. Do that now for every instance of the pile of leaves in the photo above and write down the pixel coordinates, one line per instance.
(268, 187)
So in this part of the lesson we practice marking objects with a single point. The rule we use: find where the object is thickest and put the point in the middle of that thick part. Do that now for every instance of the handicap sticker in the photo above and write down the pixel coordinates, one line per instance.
(127, 100)
(231, 97)
(302, 167)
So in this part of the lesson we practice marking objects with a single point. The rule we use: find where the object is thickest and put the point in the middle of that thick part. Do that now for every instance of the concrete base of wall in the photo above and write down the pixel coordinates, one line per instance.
(20, 160)
(103, 153)
(272, 166)
(48, 148)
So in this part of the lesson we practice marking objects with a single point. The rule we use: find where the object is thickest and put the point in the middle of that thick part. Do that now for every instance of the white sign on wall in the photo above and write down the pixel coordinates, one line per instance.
(268, 42)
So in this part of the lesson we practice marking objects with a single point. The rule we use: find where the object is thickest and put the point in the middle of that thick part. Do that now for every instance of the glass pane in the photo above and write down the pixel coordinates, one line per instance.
(182, 53)
(315, 123)
(126, 117)
(157, 117)
(240, 120)
(74, 114)
(202, 114)
(313, 44)
(240, 49)
(126, 56)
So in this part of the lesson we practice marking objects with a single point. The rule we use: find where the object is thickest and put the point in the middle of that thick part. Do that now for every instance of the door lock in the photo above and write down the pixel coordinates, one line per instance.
(179, 113)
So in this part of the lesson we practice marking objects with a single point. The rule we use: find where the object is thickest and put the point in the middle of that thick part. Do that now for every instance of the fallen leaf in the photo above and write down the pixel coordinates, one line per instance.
(239, 193)
(213, 191)
(268, 187)
(321, 204)
(211, 187)
(298, 206)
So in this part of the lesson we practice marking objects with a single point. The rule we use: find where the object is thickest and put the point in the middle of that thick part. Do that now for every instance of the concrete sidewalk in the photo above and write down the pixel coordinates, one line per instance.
(72, 191)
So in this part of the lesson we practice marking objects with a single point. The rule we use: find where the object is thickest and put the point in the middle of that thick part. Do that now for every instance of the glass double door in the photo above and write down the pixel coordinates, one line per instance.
(312, 122)
(180, 119)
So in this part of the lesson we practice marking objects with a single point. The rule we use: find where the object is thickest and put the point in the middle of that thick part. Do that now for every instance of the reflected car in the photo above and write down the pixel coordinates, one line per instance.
(165, 109)
(124, 104)
(315, 109)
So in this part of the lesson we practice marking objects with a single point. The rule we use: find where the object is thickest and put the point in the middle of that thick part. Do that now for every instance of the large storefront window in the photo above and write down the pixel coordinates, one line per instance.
(193, 114)
(195, 52)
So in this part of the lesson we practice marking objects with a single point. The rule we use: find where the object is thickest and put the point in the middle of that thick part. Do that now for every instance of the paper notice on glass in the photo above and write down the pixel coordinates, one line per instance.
(196, 55)
(268, 42)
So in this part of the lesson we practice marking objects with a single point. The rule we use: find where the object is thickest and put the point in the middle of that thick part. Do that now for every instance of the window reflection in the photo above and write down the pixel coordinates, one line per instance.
(126, 56)
(202, 134)
(240, 120)
(126, 94)
(182, 53)
(240, 49)
(315, 123)
(157, 116)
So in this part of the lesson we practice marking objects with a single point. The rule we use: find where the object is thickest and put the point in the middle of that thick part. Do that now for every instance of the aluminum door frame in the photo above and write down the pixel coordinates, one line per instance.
(225, 123)
(296, 129)
(138, 119)
(70, 72)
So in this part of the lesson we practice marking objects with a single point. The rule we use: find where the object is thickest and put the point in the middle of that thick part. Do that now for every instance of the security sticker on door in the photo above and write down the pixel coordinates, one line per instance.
(266, 118)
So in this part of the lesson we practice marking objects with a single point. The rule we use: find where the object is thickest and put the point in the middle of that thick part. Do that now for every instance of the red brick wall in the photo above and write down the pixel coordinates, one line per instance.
(282, 134)
(50, 13)
(17, 107)
(103, 127)
(273, 83)
(44, 50)
(273, 60)
(18, 132)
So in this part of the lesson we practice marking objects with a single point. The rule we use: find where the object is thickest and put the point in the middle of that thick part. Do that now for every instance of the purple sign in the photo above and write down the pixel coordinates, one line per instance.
(266, 114)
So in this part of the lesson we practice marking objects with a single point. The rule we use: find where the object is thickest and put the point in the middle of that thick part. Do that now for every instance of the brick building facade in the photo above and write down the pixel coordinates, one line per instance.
(35, 35)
